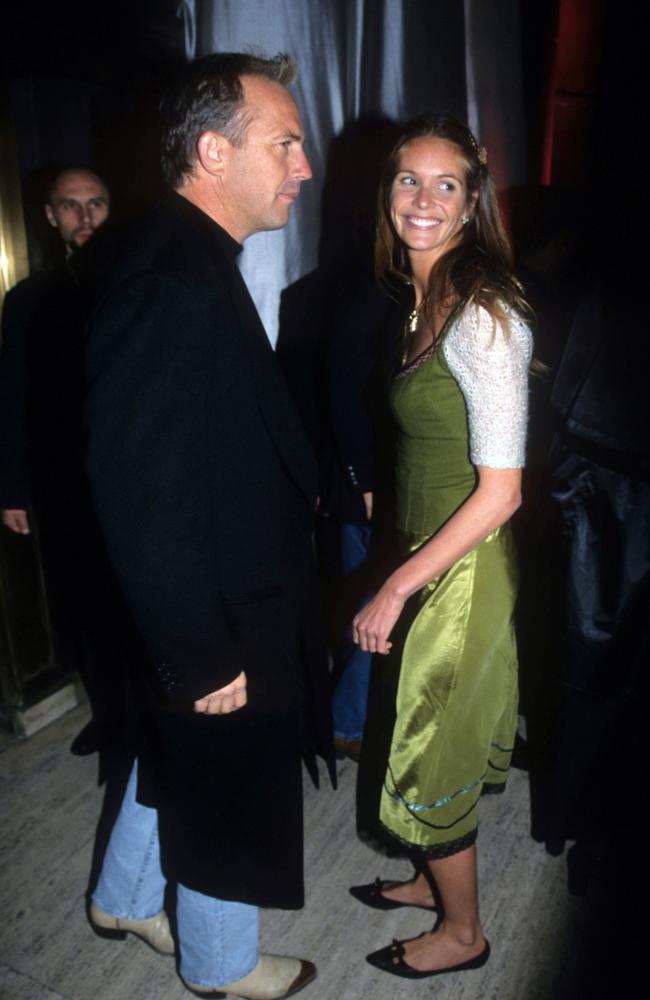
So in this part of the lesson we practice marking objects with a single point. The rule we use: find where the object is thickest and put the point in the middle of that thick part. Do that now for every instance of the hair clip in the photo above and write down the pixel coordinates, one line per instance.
(481, 152)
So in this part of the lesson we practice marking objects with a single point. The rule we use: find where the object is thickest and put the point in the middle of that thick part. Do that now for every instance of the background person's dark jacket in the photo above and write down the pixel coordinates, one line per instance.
(42, 471)
(40, 388)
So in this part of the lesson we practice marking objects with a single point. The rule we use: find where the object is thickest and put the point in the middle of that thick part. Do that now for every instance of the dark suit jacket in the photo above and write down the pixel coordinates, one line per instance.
(337, 329)
(42, 468)
(204, 488)
(40, 386)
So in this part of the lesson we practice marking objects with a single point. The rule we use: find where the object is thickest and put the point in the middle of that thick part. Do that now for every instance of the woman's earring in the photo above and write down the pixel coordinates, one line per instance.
(465, 220)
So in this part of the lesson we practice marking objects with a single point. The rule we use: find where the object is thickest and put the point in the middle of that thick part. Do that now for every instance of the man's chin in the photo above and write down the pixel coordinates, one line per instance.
(280, 217)
(79, 239)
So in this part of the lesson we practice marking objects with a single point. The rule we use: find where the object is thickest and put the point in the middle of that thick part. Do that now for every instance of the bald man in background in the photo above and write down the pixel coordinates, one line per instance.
(78, 203)
(41, 448)
(41, 308)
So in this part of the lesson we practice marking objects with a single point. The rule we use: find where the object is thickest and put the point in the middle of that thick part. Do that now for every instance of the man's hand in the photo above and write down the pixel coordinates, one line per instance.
(16, 520)
(367, 502)
(226, 699)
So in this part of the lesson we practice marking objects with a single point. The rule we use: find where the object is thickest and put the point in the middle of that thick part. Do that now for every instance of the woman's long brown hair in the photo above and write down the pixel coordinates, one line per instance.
(479, 268)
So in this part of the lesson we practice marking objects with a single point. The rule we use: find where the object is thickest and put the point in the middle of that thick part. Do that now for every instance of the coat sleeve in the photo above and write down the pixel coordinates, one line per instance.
(354, 388)
(350, 368)
(150, 417)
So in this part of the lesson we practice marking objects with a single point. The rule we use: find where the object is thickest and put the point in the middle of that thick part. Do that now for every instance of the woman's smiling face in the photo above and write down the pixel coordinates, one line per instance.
(429, 197)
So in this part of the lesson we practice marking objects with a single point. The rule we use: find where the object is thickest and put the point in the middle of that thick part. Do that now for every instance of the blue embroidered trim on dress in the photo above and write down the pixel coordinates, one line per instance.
(414, 807)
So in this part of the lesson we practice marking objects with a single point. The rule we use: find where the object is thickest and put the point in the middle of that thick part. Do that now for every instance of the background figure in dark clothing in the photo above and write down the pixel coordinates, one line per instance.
(42, 316)
(42, 483)
(335, 326)
(600, 469)
(358, 482)
(589, 783)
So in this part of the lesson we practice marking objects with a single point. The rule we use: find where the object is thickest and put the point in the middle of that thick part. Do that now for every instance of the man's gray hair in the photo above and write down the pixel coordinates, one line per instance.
(208, 96)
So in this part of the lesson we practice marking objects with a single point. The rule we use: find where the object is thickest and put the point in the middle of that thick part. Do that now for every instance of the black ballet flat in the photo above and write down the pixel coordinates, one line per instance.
(371, 895)
(391, 959)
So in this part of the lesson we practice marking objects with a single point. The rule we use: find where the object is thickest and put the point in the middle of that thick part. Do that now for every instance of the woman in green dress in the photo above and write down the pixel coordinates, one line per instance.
(460, 404)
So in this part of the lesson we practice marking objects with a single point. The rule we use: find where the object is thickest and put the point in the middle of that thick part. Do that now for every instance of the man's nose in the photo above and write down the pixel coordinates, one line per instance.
(301, 169)
(85, 213)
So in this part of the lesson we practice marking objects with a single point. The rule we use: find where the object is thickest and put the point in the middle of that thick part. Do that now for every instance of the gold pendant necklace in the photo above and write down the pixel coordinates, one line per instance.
(410, 328)
(413, 320)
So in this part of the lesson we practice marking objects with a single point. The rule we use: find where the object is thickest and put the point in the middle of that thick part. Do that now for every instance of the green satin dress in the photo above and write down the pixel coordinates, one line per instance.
(457, 691)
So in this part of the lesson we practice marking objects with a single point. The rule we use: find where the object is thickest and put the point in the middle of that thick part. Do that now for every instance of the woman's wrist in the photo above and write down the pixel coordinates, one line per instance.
(399, 586)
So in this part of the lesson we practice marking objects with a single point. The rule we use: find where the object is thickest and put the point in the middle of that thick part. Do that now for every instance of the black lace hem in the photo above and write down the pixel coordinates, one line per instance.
(381, 841)
(493, 788)
(435, 851)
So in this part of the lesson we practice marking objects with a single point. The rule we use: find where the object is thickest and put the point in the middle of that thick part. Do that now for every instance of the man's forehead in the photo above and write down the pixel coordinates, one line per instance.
(80, 183)
(271, 105)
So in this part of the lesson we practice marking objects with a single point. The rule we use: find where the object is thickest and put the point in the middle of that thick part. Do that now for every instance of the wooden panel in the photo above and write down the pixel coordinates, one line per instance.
(13, 244)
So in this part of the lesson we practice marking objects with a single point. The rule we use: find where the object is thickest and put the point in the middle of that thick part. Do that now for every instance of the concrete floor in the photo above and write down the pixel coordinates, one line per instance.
(50, 809)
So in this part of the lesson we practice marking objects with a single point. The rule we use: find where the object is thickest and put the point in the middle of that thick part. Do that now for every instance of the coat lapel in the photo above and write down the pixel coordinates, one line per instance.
(218, 252)
(276, 405)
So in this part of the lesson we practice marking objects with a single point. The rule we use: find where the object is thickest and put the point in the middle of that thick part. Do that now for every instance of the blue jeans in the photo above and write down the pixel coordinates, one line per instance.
(218, 939)
(350, 700)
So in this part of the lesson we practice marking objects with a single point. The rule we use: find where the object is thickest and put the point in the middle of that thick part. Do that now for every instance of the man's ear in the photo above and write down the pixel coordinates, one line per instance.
(212, 151)
(50, 216)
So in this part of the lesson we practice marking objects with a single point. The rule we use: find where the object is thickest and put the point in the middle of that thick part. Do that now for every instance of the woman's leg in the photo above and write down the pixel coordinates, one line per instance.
(459, 938)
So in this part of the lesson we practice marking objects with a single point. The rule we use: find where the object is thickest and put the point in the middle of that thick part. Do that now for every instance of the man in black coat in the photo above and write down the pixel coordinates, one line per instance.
(205, 490)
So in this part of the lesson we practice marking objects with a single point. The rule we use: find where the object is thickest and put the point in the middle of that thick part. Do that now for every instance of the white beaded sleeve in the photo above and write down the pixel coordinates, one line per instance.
(491, 368)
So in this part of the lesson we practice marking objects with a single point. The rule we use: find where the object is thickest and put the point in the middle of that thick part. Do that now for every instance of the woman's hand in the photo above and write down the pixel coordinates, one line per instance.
(494, 500)
(375, 622)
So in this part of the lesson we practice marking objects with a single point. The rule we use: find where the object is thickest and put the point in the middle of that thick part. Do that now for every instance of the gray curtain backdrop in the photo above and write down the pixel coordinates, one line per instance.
(359, 57)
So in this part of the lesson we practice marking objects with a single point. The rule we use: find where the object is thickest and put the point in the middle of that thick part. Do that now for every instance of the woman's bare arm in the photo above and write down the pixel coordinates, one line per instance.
(496, 497)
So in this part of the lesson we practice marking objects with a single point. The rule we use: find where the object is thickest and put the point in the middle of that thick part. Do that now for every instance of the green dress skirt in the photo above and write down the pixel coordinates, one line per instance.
(457, 691)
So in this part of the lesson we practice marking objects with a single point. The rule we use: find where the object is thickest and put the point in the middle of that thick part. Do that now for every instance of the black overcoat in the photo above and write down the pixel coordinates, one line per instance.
(204, 488)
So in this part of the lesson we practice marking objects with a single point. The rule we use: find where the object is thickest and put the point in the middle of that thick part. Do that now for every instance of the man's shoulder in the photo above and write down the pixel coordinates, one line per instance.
(36, 284)
(168, 267)
(166, 246)
(27, 297)
(175, 243)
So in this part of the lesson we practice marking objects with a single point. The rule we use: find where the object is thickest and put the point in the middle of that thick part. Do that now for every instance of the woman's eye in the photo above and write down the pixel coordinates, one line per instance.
(407, 180)
(447, 186)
